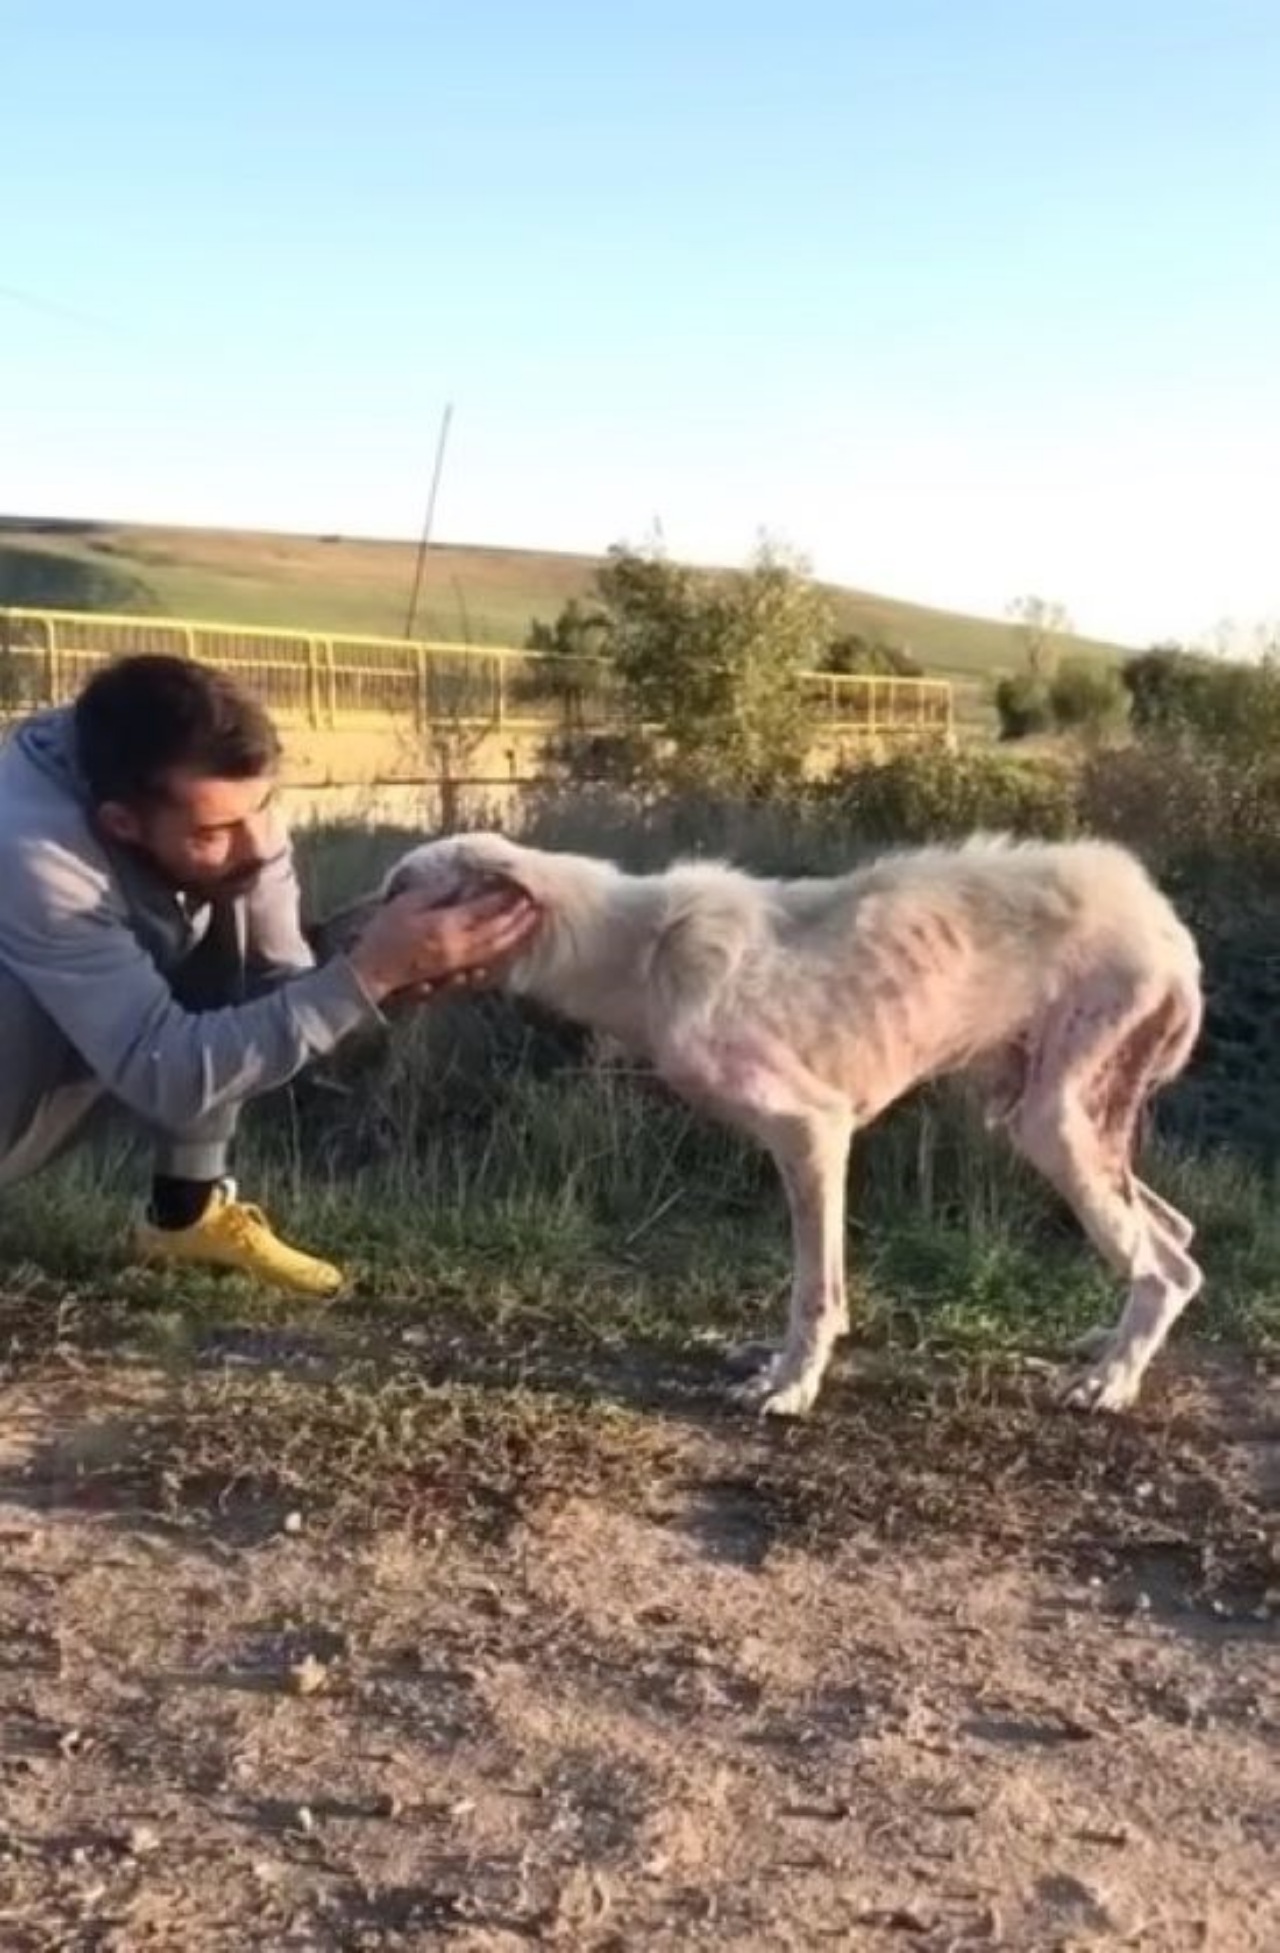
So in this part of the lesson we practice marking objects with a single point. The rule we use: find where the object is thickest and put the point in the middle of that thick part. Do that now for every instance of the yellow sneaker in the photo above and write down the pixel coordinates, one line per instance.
(230, 1234)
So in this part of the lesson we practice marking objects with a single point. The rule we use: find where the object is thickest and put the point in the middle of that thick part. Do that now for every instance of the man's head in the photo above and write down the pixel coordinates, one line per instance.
(181, 766)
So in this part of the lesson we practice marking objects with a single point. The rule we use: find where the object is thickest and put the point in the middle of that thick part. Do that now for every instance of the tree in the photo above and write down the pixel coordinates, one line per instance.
(580, 631)
(713, 662)
(1039, 625)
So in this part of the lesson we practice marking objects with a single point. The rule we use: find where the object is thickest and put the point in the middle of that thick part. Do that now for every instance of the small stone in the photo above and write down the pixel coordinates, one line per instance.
(306, 1677)
(293, 1523)
(141, 1840)
(304, 1818)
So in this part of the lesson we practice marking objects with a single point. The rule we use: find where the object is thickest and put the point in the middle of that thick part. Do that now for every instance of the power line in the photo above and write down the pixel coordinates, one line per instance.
(33, 303)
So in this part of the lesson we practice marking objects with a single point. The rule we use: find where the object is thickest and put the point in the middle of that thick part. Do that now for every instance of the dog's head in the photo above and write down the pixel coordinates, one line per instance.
(453, 869)
(460, 867)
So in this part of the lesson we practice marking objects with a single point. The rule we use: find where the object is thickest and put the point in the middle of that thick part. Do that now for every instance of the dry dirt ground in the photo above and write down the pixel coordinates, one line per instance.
(929, 1675)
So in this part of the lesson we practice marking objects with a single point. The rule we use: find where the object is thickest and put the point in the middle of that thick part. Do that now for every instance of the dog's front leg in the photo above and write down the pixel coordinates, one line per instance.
(752, 1081)
(811, 1150)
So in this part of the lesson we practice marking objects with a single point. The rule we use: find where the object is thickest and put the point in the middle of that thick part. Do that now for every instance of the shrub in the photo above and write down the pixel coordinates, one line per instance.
(1086, 695)
(1226, 702)
(713, 662)
(1023, 706)
(853, 656)
(931, 795)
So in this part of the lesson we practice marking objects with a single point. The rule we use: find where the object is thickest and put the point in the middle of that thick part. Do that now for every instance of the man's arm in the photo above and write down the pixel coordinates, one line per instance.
(65, 934)
(276, 945)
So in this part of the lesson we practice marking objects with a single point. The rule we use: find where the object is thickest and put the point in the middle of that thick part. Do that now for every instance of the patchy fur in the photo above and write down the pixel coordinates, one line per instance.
(1055, 977)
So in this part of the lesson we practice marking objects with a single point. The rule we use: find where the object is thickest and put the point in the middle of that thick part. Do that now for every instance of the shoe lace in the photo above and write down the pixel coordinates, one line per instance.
(244, 1222)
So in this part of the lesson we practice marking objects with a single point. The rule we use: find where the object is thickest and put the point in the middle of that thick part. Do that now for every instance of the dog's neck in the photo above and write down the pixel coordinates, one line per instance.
(583, 959)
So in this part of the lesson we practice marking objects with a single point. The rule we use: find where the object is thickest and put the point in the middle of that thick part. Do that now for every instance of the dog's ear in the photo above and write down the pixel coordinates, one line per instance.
(339, 931)
(490, 862)
(458, 870)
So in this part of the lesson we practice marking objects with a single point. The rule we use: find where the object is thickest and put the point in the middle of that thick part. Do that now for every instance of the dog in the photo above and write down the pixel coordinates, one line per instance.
(1056, 978)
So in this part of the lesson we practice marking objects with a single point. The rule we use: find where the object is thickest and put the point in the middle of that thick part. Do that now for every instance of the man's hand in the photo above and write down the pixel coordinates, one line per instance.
(412, 943)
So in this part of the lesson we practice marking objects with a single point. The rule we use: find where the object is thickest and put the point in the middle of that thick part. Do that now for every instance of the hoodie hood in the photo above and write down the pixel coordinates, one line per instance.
(47, 741)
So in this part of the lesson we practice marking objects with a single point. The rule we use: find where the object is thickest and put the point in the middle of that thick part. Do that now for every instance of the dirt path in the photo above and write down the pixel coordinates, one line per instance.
(620, 1728)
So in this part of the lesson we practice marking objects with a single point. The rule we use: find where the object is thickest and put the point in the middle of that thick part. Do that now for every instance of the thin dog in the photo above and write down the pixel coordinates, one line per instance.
(1055, 977)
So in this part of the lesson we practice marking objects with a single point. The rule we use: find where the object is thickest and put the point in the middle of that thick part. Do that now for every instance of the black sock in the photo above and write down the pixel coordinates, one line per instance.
(179, 1203)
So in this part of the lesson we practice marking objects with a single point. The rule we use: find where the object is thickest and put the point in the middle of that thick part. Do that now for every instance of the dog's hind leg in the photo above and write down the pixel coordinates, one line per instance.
(1155, 1051)
(1076, 1127)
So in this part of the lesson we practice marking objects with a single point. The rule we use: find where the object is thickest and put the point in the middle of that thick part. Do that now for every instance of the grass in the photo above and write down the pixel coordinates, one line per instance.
(485, 595)
(545, 1254)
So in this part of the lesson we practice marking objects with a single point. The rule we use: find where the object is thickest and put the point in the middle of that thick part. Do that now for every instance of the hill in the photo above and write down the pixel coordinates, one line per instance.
(484, 595)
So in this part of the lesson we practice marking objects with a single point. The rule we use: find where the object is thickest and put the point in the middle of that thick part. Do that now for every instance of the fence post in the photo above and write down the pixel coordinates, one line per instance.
(330, 706)
(51, 657)
(500, 690)
(313, 684)
(420, 711)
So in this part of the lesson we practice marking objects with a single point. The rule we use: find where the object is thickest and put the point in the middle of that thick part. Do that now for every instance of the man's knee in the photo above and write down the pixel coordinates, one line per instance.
(46, 1090)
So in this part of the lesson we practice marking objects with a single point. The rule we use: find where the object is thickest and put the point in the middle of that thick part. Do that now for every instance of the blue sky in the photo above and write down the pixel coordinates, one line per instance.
(962, 300)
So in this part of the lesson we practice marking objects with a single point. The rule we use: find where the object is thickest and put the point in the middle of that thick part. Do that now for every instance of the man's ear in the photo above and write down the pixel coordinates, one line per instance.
(118, 822)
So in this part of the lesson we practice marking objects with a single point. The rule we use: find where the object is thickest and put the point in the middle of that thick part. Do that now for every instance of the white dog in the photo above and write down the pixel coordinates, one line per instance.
(1056, 977)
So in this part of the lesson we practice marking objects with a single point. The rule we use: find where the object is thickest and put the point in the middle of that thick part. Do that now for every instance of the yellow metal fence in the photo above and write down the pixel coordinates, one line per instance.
(331, 681)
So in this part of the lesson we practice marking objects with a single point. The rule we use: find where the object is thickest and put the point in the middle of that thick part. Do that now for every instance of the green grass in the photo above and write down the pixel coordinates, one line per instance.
(479, 594)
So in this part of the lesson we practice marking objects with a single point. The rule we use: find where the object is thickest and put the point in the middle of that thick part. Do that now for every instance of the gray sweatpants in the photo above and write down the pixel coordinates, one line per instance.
(47, 1093)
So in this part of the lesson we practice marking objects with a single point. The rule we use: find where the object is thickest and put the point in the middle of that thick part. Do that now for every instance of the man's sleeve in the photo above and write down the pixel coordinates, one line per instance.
(64, 933)
(276, 946)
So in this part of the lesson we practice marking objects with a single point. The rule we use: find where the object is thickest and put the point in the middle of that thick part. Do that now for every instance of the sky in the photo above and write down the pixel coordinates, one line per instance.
(960, 299)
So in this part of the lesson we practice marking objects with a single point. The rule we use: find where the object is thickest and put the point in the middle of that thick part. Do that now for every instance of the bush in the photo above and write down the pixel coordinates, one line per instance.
(1225, 702)
(1192, 812)
(713, 662)
(1088, 696)
(1023, 706)
(853, 656)
(935, 796)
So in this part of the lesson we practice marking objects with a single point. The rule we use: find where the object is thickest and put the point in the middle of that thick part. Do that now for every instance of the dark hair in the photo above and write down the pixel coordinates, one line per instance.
(147, 716)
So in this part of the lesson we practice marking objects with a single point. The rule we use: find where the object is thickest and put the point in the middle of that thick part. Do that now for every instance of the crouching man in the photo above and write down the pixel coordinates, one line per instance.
(152, 949)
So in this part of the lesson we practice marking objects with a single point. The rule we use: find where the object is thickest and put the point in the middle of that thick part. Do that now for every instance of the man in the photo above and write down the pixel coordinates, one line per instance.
(151, 947)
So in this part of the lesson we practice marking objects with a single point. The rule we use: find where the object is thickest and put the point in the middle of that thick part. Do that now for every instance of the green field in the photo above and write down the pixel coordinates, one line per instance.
(482, 595)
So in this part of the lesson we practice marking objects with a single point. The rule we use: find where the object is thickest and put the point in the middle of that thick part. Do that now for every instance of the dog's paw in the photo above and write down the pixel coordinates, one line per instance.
(752, 1391)
(1110, 1384)
(764, 1393)
(793, 1399)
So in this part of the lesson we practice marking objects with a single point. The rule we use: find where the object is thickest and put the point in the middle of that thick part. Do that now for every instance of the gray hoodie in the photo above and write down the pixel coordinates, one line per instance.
(96, 936)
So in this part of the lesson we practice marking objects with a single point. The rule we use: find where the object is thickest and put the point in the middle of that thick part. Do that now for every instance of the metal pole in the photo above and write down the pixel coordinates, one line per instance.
(427, 521)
